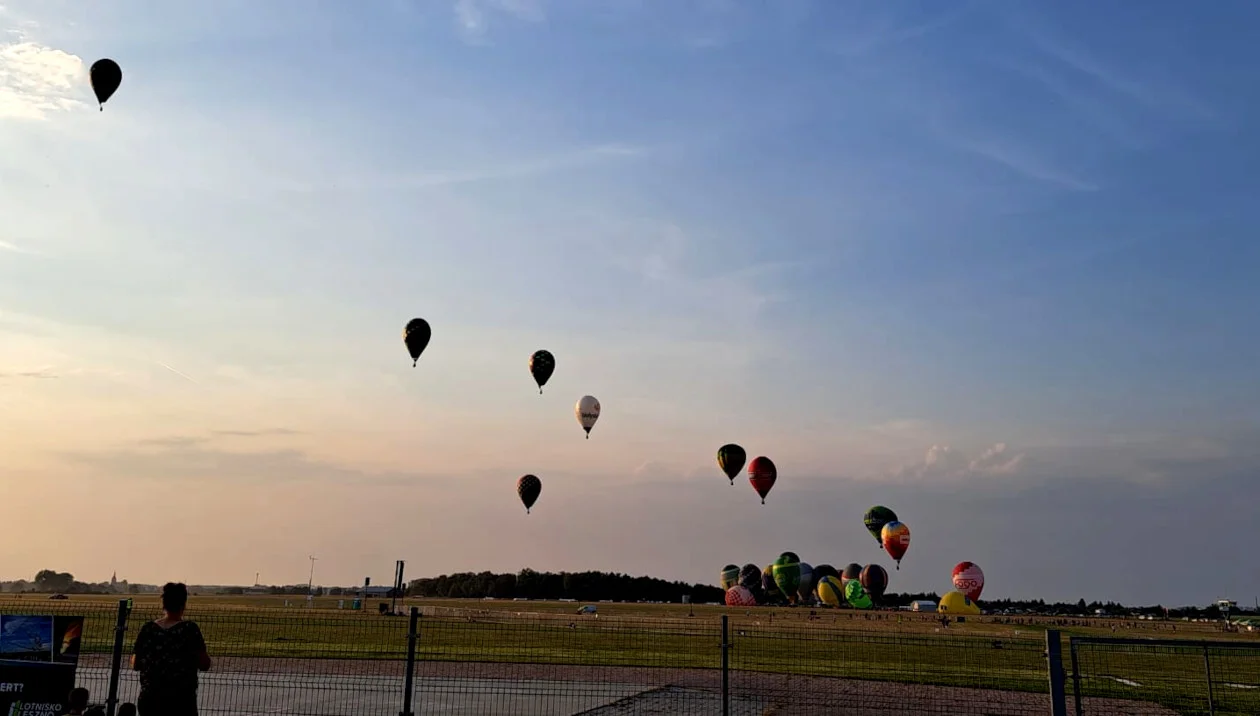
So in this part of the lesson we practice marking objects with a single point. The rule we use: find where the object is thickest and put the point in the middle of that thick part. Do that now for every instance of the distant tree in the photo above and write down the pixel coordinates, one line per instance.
(48, 580)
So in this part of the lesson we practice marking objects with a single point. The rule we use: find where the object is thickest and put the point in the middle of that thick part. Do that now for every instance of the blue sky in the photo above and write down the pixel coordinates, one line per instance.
(968, 254)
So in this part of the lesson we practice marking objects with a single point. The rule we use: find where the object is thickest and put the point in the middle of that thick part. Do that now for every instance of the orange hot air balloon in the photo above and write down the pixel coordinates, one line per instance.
(896, 539)
(762, 474)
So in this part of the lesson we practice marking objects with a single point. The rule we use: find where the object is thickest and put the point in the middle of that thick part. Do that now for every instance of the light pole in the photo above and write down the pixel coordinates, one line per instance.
(310, 583)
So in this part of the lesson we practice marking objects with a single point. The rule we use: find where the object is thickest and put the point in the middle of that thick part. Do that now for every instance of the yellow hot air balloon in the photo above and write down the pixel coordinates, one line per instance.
(830, 591)
(957, 603)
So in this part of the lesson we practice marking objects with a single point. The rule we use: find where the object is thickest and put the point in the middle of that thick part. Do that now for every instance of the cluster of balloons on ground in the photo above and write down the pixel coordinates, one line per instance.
(790, 581)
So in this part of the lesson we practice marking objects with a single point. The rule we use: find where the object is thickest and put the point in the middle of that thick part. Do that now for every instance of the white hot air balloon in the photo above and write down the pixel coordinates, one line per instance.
(587, 411)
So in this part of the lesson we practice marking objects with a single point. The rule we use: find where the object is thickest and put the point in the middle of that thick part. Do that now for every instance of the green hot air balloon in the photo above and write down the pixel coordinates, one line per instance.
(855, 594)
(787, 575)
(876, 518)
(730, 576)
(731, 459)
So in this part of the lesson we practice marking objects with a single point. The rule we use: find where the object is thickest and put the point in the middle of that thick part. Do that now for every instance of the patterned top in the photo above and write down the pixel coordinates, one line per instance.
(167, 658)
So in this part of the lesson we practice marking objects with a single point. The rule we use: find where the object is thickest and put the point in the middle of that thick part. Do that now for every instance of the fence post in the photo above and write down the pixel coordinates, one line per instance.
(726, 667)
(115, 668)
(1207, 668)
(1054, 654)
(408, 680)
(1076, 678)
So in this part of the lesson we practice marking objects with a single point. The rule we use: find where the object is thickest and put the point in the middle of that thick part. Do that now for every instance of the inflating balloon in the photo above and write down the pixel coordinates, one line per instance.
(750, 576)
(416, 337)
(805, 591)
(825, 570)
(830, 591)
(762, 474)
(876, 518)
(787, 576)
(875, 580)
(730, 576)
(731, 459)
(587, 411)
(852, 571)
(528, 488)
(106, 76)
(740, 596)
(896, 539)
(856, 596)
(969, 579)
(957, 603)
(541, 365)
(769, 587)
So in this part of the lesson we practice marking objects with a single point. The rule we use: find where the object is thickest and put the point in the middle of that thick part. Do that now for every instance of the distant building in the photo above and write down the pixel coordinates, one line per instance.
(922, 605)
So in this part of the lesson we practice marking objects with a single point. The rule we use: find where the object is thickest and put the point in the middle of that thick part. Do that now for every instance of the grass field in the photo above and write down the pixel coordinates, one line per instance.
(986, 652)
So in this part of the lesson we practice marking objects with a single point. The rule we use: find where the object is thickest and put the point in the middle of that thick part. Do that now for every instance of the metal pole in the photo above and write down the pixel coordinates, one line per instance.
(726, 667)
(1054, 654)
(1076, 678)
(120, 630)
(1207, 668)
(408, 680)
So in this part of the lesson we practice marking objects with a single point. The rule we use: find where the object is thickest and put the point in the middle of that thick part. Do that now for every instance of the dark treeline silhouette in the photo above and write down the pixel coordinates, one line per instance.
(583, 586)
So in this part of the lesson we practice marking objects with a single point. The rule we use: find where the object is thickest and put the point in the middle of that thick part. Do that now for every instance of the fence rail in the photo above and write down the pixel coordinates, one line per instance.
(469, 661)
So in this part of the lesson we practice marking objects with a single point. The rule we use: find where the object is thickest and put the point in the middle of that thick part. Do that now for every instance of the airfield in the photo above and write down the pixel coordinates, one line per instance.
(481, 656)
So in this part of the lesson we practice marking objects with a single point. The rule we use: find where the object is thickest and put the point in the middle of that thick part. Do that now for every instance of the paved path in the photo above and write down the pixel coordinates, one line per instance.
(253, 695)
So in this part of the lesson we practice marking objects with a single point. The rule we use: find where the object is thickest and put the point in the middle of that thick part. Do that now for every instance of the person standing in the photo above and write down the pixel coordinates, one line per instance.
(169, 652)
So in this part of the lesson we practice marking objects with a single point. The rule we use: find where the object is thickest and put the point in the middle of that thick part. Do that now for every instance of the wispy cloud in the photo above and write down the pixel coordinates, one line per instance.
(886, 31)
(1023, 161)
(37, 81)
(944, 462)
(264, 432)
(14, 248)
(473, 17)
(39, 373)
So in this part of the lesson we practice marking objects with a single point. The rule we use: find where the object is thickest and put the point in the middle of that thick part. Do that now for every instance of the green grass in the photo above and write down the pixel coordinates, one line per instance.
(835, 643)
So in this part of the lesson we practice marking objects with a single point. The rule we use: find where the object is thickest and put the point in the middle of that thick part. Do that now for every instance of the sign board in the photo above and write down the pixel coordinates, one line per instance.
(38, 657)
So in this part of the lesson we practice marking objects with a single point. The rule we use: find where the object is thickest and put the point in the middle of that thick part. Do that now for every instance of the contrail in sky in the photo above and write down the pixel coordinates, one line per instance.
(182, 375)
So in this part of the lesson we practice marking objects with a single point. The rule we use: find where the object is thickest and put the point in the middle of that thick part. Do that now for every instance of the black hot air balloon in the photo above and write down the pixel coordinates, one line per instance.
(825, 570)
(875, 579)
(731, 459)
(106, 75)
(416, 337)
(541, 365)
(528, 488)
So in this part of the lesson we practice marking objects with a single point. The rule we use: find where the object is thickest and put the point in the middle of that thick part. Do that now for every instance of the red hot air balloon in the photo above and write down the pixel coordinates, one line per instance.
(762, 474)
(896, 539)
(969, 579)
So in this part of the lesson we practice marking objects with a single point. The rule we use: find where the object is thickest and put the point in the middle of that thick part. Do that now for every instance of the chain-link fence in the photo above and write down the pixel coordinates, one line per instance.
(748, 663)
(1169, 676)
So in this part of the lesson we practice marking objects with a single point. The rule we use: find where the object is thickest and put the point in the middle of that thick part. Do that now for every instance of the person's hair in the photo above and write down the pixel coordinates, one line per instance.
(78, 698)
(174, 597)
(95, 711)
(127, 709)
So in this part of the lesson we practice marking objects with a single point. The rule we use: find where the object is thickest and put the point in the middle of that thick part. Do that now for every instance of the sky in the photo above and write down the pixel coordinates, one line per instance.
(990, 263)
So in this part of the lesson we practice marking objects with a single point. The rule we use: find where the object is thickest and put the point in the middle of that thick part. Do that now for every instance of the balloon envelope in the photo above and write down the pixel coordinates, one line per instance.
(768, 586)
(106, 76)
(876, 518)
(740, 596)
(856, 596)
(852, 571)
(806, 589)
(874, 579)
(731, 459)
(787, 576)
(587, 412)
(830, 591)
(762, 474)
(825, 570)
(750, 575)
(528, 487)
(969, 579)
(896, 539)
(541, 365)
(957, 603)
(416, 337)
(730, 576)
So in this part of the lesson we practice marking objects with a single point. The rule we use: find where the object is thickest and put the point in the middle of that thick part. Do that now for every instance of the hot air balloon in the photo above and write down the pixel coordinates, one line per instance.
(762, 474)
(772, 593)
(587, 411)
(896, 539)
(528, 488)
(875, 579)
(787, 576)
(805, 591)
(825, 570)
(969, 579)
(731, 459)
(541, 365)
(830, 591)
(106, 76)
(957, 603)
(856, 596)
(852, 571)
(876, 518)
(416, 337)
(750, 575)
(740, 596)
(730, 576)
(789, 556)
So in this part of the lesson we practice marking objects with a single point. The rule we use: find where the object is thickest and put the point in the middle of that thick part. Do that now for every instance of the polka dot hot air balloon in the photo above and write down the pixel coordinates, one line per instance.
(740, 596)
